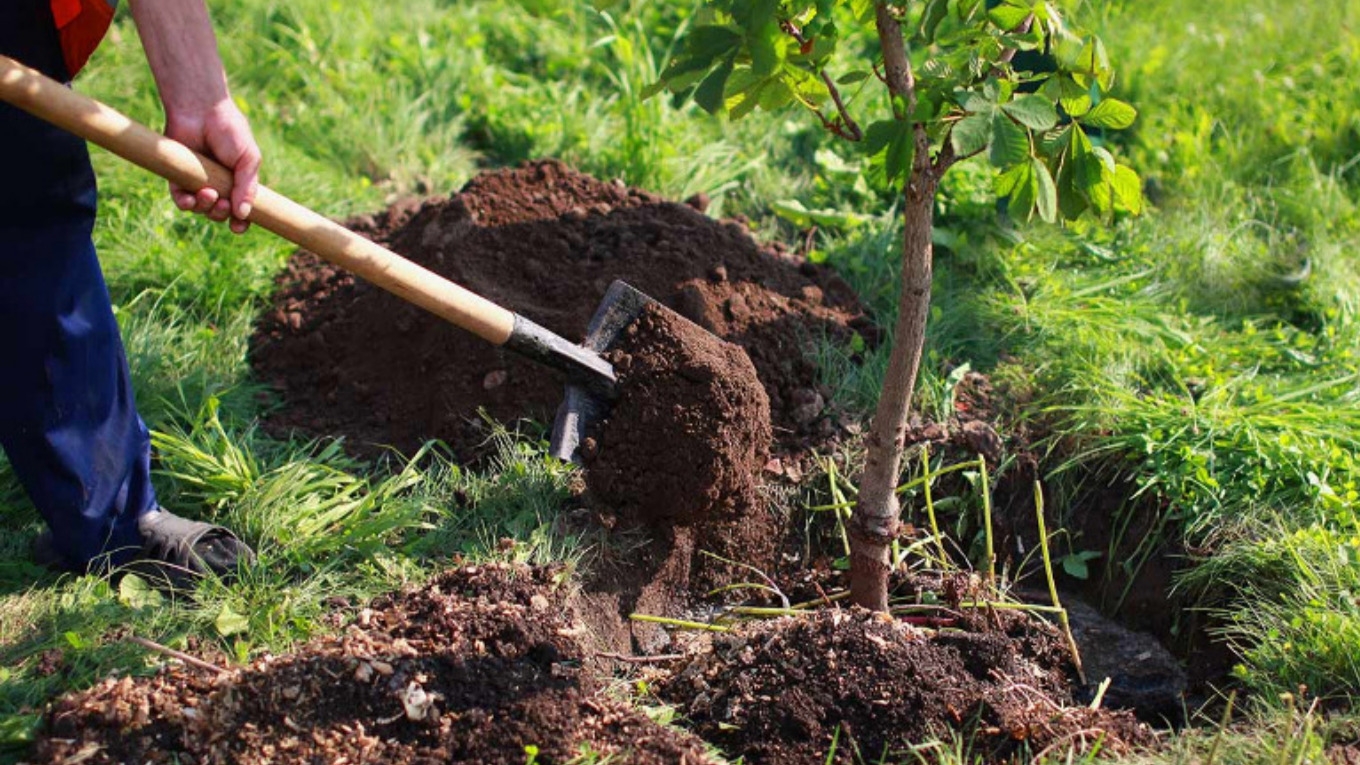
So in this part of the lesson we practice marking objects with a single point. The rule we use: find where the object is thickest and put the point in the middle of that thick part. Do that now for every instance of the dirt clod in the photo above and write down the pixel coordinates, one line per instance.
(783, 691)
(545, 241)
(475, 667)
(691, 427)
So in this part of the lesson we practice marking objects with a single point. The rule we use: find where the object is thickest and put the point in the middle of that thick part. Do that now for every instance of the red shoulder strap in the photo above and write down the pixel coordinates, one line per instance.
(81, 25)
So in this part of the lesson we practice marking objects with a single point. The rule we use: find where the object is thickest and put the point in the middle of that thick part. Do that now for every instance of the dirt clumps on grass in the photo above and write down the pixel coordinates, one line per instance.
(868, 688)
(544, 241)
(477, 666)
(690, 431)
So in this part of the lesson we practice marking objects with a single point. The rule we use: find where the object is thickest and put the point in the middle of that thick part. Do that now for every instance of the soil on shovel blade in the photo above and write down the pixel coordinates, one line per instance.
(545, 241)
(869, 689)
(475, 667)
(690, 432)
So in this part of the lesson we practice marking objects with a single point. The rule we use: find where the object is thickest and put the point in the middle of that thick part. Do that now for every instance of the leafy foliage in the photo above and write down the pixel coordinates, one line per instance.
(1038, 123)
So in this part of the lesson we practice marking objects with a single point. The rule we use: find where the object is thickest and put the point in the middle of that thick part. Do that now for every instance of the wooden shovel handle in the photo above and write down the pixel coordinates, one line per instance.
(97, 123)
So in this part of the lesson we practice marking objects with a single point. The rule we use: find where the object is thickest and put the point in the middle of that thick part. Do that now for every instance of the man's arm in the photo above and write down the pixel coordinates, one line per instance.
(199, 113)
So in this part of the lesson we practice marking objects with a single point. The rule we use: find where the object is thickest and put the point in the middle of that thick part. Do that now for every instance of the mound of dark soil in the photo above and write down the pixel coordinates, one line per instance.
(791, 690)
(690, 432)
(474, 667)
(544, 241)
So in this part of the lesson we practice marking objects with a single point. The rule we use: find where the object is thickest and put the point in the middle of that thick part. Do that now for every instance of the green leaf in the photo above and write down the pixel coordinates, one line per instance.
(1047, 192)
(745, 103)
(1055, 142)
(1071, 97)
(709, 95)
(796, 213)
(931, 17)
(230, 623)
(1110, 113)
(1008, 16)
(1071, 195)
(850, 78)
(936, 69)
(977, 102)
(1033, 111)
(741, 92)
(1106, 161)
(878, 135)
(775, 94)
(901, 151)
(767, 51)
(971, 134)
(754, 14)
(711, 42)
(683, 65)
(1075, 567)
(1094, 61)
(134, 592)
(1023, 189)
(1005, 182)
(1086, 168)
(1102, 198)
(1128, 189)
(1010, 143)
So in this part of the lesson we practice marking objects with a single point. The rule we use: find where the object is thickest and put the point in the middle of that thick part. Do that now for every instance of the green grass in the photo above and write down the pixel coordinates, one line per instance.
(1205, 352)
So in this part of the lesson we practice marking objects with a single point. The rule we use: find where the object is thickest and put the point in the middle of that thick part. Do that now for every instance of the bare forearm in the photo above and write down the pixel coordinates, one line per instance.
(199, 113)
(182, 50)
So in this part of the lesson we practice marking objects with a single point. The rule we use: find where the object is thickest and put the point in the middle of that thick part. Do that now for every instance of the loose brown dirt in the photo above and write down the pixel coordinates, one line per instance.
(484, 664)
(474, 667)
(849, 681)
(690, 432)
(545, 241)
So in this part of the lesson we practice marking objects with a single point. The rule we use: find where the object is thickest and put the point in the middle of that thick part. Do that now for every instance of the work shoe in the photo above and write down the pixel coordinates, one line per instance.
(177, 551)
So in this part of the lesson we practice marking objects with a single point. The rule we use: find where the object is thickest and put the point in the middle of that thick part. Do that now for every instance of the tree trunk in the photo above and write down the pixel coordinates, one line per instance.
(874, 524)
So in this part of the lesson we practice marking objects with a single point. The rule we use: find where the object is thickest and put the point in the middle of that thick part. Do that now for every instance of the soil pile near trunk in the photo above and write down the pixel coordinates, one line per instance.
(792, 690)
(690, 431)
(544, 241)
(472, 668)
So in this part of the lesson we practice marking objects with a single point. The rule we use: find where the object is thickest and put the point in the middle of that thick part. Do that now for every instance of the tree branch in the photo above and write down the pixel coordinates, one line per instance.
(897, 67)
(192, 661)
(847, 128)
(902, 84)
(947, 158)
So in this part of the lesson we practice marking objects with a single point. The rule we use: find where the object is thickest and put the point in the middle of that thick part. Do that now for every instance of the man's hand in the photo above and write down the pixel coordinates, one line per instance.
(221, 132)
(199, 113)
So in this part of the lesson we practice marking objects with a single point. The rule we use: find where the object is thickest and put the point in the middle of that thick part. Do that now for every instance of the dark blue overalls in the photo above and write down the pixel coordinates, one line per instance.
(68, 422)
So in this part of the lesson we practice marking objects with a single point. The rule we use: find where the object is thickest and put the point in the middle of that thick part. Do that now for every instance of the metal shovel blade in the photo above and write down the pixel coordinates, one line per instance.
(581, 408)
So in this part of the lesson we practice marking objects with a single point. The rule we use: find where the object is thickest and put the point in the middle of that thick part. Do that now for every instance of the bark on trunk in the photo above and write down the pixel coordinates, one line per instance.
(874, 524)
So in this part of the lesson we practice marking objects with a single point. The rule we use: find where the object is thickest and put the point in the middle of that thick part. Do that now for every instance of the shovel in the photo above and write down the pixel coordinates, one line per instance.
(590, 378)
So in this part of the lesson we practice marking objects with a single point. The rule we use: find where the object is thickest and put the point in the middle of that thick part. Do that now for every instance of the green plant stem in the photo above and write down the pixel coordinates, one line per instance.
(1004, 606)
(913, 483)
(1222, 728)
(679, 623)
(820, 601)
(764, 612)
(1052, 583)
(842, 506)
(987, 521)
(930, 505)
